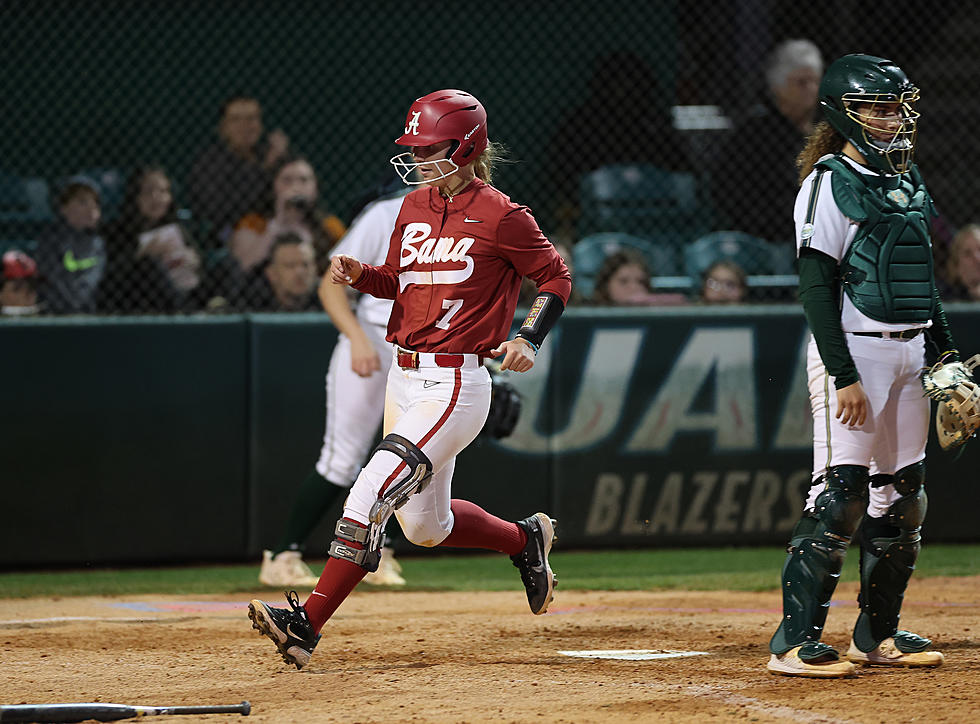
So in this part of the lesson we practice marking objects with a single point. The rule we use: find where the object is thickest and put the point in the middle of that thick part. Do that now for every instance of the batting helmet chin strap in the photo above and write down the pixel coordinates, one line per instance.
(371, 538)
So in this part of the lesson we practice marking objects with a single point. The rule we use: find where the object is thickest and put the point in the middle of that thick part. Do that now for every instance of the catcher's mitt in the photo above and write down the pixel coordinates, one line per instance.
(505, 408)
(958, 412)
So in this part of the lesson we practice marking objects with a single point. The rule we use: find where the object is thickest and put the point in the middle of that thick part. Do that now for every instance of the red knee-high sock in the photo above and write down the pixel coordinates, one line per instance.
(336, 582)
(476, 528)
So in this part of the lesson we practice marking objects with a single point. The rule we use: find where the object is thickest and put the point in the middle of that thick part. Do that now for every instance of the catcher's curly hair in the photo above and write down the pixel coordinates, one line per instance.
(612, 264)
(824, 139)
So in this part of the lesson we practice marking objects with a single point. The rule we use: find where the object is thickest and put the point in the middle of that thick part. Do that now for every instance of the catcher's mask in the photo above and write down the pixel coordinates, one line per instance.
(871, 102)
(445, 115)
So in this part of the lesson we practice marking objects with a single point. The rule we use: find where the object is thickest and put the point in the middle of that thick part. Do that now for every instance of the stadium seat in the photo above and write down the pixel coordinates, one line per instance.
(589, 253)
(24, 207)
(755, 256)
(643, 200)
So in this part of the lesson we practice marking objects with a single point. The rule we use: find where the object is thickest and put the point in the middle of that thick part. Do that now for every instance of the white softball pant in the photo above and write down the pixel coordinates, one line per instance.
(895, 433)
(440, 410)
(355, 406)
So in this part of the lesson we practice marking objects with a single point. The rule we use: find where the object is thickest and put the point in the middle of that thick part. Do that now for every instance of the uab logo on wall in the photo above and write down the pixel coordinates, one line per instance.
(671, 429)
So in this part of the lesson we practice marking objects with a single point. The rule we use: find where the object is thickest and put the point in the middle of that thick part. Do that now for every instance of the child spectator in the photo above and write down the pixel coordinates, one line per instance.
(71, 256)
(18, 285)
(624, 280)
(724, 282)
(292, 206)
(961, 280)
(153, 263)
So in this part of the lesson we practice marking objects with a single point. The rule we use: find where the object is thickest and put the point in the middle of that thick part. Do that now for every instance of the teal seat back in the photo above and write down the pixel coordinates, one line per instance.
(755, 256)
(642, 200)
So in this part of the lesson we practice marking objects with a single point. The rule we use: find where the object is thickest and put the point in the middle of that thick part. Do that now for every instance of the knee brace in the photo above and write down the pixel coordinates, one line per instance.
(394, 496)
(890, 546)
(816, 555)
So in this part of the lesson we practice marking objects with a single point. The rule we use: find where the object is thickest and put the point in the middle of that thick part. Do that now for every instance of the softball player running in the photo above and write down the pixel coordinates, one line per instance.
(355, 402)
(866, 282)
(454, 268)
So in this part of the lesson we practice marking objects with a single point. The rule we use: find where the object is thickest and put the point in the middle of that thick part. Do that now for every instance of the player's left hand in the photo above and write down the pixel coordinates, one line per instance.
(364, 360)
(518, 355)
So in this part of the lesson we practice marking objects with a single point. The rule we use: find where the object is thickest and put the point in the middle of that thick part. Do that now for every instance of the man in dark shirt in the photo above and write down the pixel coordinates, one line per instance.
(755, 183)
(232, 175)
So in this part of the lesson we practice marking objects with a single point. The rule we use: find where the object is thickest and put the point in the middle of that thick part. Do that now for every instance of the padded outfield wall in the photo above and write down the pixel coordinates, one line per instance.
(172, 440)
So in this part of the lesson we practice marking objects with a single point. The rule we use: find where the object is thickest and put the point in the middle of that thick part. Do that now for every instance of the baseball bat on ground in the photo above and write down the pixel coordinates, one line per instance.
(106, 712)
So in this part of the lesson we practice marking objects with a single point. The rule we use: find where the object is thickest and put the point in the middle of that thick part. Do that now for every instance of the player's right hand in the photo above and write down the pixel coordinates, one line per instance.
(852, 405)
(345, 269)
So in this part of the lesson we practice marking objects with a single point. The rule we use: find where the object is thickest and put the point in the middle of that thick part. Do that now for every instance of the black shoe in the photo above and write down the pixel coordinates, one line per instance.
(532, 562)
(290, 631)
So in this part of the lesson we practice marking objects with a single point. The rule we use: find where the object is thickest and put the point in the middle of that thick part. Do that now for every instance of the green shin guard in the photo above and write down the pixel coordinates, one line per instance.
(889, 548)
(816, 555)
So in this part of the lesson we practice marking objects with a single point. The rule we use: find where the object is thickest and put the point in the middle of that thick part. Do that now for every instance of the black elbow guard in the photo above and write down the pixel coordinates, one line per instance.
(545, 311)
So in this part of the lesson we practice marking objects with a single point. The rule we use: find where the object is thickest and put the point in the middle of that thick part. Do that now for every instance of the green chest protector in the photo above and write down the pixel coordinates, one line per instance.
(887, 271)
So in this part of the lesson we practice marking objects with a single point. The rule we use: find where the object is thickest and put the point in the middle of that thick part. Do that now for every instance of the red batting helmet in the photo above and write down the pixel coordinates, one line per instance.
(445, 115)
(17, 265)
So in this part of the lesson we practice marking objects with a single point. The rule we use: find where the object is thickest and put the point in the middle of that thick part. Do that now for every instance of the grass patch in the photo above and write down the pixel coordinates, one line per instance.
(737, 569)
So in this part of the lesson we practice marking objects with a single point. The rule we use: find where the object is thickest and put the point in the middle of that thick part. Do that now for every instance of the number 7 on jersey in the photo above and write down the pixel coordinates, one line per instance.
(453, 306)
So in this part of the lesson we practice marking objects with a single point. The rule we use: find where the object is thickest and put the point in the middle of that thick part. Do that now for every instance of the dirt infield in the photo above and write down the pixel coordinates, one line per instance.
(481, 657)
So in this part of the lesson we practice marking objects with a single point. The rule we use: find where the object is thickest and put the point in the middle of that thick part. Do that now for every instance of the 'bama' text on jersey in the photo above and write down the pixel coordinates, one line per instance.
(419, 247)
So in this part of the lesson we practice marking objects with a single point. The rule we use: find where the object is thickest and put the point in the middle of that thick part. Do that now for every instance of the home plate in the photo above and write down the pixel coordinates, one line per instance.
(634, 654)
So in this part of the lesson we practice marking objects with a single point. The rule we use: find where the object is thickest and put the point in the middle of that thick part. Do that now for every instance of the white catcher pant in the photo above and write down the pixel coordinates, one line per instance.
(441, 410)
(355, 406)
(896, 430)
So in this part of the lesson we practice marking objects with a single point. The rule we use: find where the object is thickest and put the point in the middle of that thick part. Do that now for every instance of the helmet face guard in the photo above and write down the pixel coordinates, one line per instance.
(446, 115)
(406, 165)
(854, 93)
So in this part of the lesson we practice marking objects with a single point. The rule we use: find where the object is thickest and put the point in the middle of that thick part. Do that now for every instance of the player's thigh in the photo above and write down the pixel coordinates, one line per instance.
(834, 443)
(440, 419)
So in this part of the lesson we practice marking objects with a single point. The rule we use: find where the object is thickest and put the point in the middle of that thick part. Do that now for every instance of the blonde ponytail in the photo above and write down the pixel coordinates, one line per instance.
(486, 163)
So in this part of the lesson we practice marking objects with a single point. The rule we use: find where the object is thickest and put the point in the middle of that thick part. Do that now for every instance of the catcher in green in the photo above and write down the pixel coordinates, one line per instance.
(866, 283)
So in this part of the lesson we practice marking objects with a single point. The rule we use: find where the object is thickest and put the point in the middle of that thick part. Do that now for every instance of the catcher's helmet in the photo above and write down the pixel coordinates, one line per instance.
(445, 115)
(849, 87)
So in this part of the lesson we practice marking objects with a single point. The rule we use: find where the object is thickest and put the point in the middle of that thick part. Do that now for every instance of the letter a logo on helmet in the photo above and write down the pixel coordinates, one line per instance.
(446, 115)
(413, 124)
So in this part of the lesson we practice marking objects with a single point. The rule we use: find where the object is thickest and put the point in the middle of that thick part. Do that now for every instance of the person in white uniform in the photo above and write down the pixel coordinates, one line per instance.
(863, 219)
(355, 386)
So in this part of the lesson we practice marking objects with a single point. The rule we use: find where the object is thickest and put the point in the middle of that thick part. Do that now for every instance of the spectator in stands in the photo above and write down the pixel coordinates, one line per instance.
(756, 178)
(961, 280)
(154, 265)
(724, 282)
(625, 119)
(291, 206)
(71, 253)
(288, 281)
(231, 176)
(18, 285)
(624, 280)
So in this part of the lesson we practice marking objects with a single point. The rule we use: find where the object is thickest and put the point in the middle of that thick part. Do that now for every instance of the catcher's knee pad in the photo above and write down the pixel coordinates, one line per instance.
(816, 555)
(890, 546)
(417, 476)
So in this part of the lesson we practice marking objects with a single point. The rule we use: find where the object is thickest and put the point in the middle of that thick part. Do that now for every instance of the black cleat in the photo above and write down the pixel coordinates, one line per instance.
(290, 631)
(532, 562)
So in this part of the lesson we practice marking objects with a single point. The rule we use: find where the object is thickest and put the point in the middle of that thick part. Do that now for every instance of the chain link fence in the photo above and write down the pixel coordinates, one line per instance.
(165, 157)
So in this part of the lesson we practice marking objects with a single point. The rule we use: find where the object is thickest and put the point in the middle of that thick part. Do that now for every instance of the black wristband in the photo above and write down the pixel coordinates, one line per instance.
(545, 311)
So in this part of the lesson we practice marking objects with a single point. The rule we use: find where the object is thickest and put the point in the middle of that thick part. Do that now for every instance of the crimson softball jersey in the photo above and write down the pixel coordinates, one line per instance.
(454, 269)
